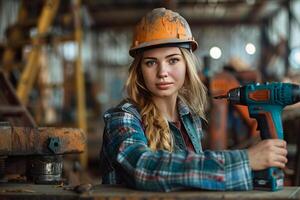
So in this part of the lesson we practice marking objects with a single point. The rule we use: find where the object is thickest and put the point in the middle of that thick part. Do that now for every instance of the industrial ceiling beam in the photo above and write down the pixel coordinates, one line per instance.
(156, 3)
(129, 17)
(109, 15)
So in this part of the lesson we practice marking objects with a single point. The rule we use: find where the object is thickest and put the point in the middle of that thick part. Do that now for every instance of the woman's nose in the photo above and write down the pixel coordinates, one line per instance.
(163, 75)
(162, 71)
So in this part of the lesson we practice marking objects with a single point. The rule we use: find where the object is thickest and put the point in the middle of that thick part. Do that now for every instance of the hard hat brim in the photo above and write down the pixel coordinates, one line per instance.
(161, 43)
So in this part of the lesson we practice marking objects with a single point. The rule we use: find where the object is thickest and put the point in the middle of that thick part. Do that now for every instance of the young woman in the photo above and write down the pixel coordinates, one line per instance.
(152, 140)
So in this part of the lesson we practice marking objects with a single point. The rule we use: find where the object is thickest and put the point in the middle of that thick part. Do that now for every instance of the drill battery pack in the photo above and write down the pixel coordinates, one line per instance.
(271, 179)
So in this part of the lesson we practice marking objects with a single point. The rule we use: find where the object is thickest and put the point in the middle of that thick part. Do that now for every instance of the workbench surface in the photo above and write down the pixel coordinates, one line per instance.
(30, 191)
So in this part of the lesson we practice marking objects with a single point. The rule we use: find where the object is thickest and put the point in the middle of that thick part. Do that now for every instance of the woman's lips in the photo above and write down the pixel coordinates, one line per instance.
(163, 86)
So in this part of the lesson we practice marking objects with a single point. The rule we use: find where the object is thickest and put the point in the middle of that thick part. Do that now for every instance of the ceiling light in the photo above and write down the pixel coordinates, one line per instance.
(215, 52)
(294, 58)
(250, 48)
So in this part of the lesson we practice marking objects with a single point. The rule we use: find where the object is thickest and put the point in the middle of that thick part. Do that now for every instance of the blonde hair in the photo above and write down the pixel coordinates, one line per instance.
(193, 93)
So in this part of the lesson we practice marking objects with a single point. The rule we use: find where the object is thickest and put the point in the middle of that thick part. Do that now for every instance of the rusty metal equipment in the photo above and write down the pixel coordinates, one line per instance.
(32, 66)
(31, 153)
(39, 149)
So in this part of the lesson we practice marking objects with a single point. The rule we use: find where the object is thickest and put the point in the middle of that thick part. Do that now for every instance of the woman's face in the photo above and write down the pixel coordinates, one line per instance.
(163, 71)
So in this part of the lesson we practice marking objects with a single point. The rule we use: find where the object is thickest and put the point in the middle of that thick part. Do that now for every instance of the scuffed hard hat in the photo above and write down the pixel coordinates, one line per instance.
(162, 27)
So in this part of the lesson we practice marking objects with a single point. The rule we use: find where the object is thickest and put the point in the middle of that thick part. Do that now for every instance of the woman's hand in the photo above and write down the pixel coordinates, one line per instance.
(268, 153)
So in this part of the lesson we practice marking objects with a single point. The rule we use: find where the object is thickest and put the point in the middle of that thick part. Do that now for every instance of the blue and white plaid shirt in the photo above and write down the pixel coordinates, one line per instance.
(127, 159)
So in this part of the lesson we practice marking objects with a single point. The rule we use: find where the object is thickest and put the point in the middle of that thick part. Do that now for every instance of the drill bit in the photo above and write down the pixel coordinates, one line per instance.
(225, 96)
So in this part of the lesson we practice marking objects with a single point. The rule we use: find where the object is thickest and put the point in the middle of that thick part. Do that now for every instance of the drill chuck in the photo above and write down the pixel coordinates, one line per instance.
(234, 95)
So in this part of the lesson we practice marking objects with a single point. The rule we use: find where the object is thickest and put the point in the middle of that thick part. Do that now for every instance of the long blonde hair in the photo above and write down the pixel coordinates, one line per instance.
(193, 93)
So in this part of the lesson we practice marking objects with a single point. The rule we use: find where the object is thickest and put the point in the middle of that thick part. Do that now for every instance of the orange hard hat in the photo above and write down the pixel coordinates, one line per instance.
(162, 27)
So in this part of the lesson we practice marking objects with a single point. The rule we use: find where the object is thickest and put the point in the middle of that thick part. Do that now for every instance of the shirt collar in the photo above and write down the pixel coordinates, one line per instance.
(182, 107)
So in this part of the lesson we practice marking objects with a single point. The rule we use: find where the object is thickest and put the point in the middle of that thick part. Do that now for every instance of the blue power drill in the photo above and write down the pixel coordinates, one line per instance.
(265, 103)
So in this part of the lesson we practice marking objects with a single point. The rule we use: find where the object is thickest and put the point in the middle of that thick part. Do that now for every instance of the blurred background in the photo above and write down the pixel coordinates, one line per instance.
(66, 62)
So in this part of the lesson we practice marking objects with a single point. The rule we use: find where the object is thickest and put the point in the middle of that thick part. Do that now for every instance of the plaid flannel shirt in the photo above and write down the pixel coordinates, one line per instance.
(127, 159)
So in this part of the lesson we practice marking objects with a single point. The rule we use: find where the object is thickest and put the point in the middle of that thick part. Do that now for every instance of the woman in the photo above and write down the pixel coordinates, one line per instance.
(152, 140)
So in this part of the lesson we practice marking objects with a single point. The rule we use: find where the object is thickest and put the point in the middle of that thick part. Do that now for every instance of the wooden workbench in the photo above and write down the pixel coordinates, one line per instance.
(44, 192)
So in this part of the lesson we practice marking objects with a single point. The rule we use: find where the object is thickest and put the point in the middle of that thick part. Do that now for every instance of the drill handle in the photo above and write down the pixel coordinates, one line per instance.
(268, 121)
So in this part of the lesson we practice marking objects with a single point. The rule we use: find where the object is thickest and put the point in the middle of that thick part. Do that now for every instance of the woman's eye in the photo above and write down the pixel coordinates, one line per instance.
(173, 60)
(150, 63)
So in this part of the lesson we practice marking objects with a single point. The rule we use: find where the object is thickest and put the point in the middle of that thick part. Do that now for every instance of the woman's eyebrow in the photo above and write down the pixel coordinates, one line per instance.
(168, 56)
(153, 58)
(175, 54)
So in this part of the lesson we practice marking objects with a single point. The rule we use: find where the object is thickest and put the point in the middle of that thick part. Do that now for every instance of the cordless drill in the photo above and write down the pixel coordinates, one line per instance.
(265, 103)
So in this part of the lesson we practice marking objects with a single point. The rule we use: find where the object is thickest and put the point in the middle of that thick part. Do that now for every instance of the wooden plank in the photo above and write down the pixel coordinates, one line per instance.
(30, 191)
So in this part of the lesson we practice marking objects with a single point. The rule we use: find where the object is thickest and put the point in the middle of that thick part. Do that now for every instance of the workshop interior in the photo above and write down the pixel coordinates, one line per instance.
(63, 63)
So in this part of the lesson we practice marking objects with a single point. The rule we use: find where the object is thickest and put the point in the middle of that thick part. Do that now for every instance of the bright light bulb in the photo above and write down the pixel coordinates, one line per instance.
(297, 57)
(215, 52)
(250, 48)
